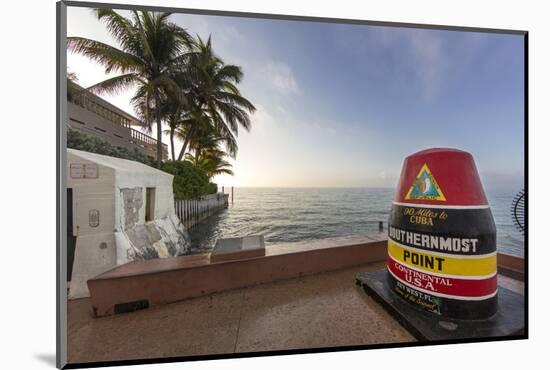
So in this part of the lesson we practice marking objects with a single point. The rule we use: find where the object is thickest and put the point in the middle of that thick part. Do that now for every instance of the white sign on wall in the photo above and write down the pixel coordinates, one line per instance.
(84, 171)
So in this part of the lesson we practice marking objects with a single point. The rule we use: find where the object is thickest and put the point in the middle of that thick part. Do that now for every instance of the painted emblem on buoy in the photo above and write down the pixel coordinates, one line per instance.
(425, 186)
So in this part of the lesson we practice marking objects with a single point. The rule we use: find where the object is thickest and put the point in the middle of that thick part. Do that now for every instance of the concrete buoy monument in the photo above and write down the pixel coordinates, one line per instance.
(440, 280)
(442, 237)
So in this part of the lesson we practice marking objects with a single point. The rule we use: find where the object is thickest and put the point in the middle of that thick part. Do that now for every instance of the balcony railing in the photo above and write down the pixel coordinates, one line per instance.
(140, 137)
(147, 142)
(87, 101)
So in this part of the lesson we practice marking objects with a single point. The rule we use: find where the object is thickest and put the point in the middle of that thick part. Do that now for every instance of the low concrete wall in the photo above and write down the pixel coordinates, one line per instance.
(512, 266)
(148, 283)
(142, 284)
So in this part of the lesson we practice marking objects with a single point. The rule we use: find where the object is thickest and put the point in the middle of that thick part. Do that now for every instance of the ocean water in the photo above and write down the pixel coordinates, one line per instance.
(297, 214)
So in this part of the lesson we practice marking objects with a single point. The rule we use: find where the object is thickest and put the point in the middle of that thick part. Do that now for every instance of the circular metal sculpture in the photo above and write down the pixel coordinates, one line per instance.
(518, 211)
(442, 237)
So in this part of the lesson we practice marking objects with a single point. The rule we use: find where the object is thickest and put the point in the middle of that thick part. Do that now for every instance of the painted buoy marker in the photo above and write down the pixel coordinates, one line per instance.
(442, 237)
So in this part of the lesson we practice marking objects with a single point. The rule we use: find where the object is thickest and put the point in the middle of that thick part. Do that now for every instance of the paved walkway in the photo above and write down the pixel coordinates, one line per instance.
(323, 310)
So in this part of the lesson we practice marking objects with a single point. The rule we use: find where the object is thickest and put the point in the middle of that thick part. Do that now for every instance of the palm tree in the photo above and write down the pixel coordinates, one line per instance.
(151, 48)
(206, 136)
(72, 86)
(208, 148)
(214, 101)
(212, 161)
(174, 114)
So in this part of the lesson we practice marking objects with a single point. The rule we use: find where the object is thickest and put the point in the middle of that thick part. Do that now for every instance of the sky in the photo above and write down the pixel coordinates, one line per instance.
(342, 105)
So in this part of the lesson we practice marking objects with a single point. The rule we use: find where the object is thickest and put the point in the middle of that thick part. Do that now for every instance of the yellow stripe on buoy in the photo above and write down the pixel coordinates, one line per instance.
(443, 263)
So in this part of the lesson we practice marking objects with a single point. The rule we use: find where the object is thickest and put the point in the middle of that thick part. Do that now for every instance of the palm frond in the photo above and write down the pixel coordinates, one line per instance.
(180, 81)
(115, 85)
(113, 59)
(121, 28)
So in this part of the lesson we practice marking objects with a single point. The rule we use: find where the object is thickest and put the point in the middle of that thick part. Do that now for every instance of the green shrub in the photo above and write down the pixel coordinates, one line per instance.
(80, 141)
(212, 188)
(189, 181)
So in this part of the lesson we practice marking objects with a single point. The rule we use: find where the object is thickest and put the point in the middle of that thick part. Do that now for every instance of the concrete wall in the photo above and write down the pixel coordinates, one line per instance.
(95, 250)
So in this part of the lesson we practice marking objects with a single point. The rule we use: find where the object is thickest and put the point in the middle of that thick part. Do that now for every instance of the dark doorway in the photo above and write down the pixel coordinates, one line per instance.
(71, 239)
(149, 204)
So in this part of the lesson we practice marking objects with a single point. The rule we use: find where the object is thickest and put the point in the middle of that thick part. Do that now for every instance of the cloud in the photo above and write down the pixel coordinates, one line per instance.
(281, 78)
(422, 55)
(407, 56)
(426, 47)
(261, 118)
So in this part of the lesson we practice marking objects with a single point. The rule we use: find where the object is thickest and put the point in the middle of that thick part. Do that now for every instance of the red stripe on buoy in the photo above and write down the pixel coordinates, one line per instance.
(448, 286)
(440, 177)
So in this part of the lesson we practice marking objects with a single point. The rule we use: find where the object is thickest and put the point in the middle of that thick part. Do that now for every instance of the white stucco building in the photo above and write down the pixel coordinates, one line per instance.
(117, 211)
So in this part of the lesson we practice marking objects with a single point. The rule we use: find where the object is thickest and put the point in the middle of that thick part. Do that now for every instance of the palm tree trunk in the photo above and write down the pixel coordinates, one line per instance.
(186, 142)
(197, 156)
(159, 129)
(172, 142)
